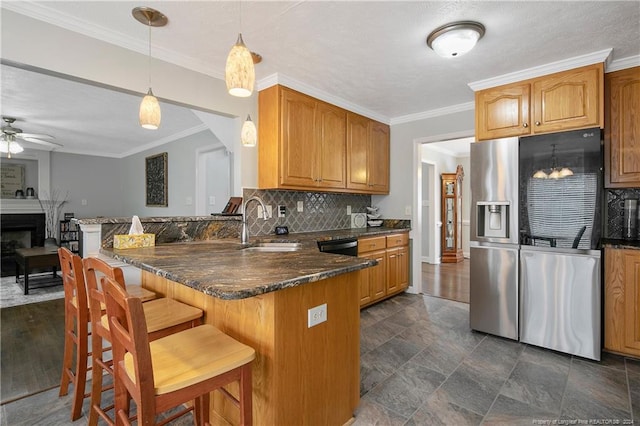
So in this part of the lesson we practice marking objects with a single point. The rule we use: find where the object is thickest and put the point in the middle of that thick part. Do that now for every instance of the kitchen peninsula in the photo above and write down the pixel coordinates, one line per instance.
(302, 374)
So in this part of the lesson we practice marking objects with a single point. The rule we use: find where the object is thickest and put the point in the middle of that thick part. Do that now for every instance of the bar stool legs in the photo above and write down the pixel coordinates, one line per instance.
(76, 331)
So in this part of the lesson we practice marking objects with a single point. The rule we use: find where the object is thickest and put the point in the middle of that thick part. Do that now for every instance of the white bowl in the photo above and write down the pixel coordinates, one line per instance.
(375, 222)
(373, 216)
(372, 209)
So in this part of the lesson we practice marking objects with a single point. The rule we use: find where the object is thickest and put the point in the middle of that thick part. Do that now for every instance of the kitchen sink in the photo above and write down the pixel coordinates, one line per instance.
(274, 247)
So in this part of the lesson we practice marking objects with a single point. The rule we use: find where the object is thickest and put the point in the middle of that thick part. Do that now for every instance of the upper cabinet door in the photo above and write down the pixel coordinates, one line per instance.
(357, 152)
(502, 111)
(622, 132)
(331, 143)
(568, 100)
(298, 140)
(379, 141)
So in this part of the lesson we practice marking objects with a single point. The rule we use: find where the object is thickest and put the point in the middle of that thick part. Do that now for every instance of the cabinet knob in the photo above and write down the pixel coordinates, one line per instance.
(537, 123)
(525, 125)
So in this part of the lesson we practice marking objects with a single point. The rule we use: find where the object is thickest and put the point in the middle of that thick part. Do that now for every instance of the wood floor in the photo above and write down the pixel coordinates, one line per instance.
(32, 344)
(447, 280)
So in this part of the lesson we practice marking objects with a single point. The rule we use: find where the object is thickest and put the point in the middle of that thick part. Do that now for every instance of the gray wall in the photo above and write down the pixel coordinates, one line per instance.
(94, 179)
(182, 161)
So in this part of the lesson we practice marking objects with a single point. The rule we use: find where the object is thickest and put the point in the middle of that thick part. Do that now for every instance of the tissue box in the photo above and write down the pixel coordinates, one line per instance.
(134, 241)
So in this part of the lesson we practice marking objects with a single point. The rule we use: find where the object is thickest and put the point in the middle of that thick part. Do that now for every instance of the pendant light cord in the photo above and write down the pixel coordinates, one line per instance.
(149, 57)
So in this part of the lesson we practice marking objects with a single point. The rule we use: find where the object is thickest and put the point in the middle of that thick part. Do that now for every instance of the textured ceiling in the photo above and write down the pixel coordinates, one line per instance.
(368, 54)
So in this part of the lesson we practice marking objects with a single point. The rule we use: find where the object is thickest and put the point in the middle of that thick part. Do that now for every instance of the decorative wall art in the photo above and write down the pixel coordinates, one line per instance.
(156, 180)
(12, 179)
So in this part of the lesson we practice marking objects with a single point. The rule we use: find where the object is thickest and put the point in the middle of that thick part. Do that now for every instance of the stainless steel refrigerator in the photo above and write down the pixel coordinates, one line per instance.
(494, 239)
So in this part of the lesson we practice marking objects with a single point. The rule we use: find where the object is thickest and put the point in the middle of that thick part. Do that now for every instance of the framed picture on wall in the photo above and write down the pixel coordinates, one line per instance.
(156, 180)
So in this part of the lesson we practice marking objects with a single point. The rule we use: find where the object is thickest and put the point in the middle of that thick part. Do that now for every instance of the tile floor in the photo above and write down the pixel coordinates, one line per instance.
(421, 365)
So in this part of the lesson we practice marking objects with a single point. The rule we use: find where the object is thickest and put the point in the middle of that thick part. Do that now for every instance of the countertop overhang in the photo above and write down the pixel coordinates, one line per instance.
(221, 268)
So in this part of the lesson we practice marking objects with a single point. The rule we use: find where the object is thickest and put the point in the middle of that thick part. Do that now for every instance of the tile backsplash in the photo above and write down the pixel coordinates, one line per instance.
(615, 209)
(321, 211)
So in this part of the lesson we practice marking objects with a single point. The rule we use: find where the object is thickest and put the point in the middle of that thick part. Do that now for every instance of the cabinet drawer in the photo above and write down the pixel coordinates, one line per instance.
(366, 245)
(397, 240)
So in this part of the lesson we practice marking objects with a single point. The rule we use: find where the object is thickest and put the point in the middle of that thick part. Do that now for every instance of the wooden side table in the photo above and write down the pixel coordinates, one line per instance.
(29, 258)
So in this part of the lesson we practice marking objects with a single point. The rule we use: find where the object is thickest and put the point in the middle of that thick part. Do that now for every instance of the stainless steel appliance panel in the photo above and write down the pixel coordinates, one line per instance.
(493, 306)
(494, 178)
(561, 300)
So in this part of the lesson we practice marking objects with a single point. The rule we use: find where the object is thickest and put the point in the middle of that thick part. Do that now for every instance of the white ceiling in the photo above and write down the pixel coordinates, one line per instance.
(370, 56)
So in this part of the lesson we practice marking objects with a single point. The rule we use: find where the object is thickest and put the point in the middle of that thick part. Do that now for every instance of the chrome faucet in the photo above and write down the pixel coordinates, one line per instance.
(244, 236)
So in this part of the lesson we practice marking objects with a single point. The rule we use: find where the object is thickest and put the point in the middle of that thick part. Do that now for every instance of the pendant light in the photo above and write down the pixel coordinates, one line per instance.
(249, 134)
(239, 72)
(554, 172)
(455, 39)
(149, 114)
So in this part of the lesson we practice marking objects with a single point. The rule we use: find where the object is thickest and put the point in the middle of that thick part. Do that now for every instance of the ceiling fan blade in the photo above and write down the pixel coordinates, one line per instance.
(39, 141)
(34, 135)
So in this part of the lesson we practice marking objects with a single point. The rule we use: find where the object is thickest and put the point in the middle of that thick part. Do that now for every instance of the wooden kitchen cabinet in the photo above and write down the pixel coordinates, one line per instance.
(391, 275)
(302, 141)
(622, 301)
(368, 143)
(567, 100)
(622, 130)
(308, 144)
(373, 284)
(397, 263)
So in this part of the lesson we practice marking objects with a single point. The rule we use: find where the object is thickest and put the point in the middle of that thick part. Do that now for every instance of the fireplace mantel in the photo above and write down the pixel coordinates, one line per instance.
(17, 206)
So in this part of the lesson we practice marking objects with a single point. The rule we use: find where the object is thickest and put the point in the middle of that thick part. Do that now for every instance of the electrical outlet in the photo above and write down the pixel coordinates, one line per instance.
(317, 315)
(212, 200)
(261, 215)
(348, 210)
(407, 210)
(84, 202)
(282, 211)
(188, 201)
(300, 206)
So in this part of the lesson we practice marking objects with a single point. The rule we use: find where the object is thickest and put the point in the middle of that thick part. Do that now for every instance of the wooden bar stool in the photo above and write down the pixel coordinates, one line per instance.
(164, 316)
(76, 330)
(170, 371)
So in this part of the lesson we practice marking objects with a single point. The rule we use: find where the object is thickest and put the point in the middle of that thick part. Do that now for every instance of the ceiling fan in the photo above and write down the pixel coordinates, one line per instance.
(9, 135)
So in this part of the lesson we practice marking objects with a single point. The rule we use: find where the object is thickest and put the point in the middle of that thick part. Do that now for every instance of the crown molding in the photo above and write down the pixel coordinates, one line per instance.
(279, 78)
(176, 136)
(439, 112)
(550, 68)
(622, 64)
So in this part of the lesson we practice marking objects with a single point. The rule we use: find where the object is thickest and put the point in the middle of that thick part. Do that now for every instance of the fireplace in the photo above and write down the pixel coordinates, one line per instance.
(19, 230)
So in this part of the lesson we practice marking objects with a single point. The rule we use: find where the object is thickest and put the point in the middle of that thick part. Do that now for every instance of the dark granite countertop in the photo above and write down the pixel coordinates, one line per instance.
(620, 243)
(221, 268)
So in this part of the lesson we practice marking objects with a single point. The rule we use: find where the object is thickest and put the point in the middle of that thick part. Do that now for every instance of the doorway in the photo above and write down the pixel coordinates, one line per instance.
(214, 179)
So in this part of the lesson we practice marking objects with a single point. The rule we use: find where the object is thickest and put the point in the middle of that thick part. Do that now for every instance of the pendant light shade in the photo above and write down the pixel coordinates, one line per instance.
(540, 174)
(150, 114)
(240, 74)
(249, 134)
(455, 39)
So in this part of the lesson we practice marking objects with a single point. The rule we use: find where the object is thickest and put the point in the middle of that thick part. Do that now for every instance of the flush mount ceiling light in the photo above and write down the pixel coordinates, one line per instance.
(150, 114)
(455, 39)
(249, 134)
